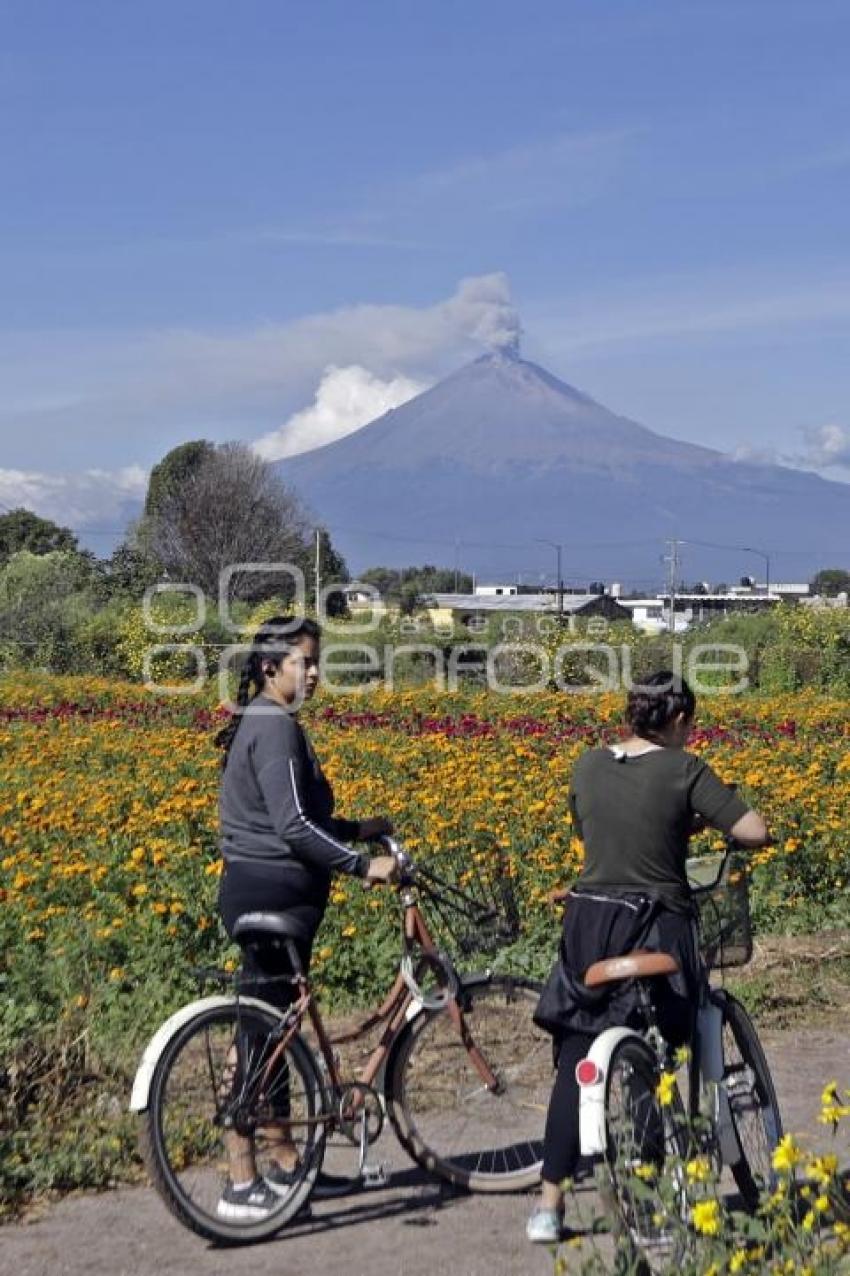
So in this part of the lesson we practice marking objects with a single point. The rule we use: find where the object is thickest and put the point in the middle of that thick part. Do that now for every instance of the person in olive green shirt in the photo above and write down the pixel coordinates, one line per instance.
(634, 805)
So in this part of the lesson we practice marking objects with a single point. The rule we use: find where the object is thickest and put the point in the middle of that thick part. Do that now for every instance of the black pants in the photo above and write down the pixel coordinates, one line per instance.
(272, 888)
(266, 971)
(561, 1146)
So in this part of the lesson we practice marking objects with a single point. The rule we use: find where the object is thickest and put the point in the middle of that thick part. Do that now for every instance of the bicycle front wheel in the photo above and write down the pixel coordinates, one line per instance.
(218, 1089)
(753, 1104)
(445, 1117)
(646, 1143)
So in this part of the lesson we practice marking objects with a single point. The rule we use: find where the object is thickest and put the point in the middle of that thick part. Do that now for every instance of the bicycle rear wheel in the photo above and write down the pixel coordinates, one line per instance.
(206, 1083)
(441, 1110)
(753, 1103)
(642, 1138)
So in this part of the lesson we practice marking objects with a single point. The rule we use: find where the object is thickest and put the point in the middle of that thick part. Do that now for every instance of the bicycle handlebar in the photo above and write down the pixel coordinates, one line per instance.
(406, 866)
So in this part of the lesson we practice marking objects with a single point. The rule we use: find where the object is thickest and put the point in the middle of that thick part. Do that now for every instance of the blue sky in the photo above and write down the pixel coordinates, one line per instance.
(206, 204)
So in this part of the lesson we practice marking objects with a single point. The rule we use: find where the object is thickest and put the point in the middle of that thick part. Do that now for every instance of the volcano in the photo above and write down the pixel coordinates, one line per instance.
(501, 455)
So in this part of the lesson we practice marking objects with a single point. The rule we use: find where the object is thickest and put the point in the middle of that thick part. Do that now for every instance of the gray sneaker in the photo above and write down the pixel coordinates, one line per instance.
(249, 1204)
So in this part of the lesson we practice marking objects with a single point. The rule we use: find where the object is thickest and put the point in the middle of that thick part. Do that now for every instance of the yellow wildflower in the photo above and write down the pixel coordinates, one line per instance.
(698, 1170)
(786, 1155)
(666, 1088)
(707, 1218)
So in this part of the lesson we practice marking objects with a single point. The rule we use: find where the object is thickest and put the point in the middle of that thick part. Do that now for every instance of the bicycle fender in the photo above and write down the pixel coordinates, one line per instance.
(710, 1040)
(591, 1098)
(160, 1039)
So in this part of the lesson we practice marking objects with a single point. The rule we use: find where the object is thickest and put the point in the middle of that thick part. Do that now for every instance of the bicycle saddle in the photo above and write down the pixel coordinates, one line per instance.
(640, 964)
(271, 926)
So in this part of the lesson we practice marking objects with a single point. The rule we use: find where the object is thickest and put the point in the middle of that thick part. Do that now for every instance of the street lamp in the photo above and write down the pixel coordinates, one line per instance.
(557, 548)
(748, 549)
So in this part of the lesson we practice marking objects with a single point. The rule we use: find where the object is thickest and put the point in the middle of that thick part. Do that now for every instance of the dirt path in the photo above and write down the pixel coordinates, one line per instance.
(410, 1229)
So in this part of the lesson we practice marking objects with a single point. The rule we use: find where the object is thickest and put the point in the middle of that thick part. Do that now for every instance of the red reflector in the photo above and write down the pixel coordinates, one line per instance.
(588, 1072)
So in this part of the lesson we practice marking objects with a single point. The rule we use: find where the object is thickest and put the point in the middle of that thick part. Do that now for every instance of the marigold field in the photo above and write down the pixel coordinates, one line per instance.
(109, 864)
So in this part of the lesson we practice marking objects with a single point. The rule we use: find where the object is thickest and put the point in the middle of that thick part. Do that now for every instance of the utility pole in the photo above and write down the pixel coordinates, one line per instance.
(560, 580)
(457, 566)
(672, 561)
(318, 567)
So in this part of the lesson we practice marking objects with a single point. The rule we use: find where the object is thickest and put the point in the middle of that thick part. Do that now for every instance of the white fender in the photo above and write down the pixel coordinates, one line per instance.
(160, 1039)
(591, 1098)
(710, 1041)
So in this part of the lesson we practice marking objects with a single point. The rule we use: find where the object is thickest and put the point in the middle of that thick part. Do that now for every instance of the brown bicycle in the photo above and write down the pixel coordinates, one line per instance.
(459, 1067)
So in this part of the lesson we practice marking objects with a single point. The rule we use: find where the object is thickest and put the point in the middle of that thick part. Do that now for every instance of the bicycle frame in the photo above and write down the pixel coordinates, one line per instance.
(399, 1005)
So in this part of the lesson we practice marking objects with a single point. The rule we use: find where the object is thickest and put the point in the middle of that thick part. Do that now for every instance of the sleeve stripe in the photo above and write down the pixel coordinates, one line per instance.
(340, 846)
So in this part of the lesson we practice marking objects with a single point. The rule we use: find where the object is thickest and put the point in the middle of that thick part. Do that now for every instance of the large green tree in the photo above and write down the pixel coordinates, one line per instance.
(21, 529)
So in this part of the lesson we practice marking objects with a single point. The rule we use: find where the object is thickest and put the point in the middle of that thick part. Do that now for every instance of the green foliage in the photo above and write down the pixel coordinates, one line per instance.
(20, 529)
(831, 581)
(42, 598)
(176, 467)
(394, 582)
(689, 1227)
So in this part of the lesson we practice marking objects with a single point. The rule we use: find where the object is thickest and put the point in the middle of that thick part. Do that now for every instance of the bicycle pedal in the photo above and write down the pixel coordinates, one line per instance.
(376, 1175)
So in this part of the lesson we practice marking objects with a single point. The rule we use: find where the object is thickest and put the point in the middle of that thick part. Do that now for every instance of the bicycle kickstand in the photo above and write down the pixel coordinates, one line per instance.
(377, 1174)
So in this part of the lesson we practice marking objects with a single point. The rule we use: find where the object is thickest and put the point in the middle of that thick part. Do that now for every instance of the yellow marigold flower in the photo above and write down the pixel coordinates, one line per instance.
(325, 953)
(116, 973)
(823, 1168)
(808, 1220)
(738, 1260)
(666, 1088)
(646, 1173)
(348, 931)
(786, 1155)
(698, 1170)
(707, 1218)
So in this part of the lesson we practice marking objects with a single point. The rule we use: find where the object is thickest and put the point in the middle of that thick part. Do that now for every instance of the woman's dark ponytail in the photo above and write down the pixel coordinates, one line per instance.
(271, 643)
(655, 703)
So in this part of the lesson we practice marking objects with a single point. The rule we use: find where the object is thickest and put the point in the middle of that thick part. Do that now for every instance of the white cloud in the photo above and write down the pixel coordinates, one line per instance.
(347, 398)
(826, 445)
(84, 500)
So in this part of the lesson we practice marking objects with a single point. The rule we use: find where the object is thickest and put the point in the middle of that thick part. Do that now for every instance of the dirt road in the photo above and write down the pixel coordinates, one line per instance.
(411, 1228)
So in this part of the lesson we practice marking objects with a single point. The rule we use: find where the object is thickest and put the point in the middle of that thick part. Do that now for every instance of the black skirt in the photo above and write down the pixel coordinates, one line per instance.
(598, 926)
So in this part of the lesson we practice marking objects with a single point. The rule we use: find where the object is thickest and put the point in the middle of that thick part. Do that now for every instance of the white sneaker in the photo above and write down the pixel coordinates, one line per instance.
(544, 1227)
(247, 1204)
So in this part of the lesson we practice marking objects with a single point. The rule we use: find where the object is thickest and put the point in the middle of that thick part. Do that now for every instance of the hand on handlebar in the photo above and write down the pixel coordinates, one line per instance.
(383, 870)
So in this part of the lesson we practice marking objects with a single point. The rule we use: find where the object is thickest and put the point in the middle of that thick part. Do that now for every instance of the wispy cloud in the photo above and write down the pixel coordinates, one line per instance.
(561, 171)
(235, 384)
(664, 307)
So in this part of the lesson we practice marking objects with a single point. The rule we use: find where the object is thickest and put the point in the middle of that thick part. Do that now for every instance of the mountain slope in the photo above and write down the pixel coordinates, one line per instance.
(501, 453)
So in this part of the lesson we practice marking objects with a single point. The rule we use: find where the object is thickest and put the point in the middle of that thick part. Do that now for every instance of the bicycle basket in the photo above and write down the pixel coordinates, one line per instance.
(470, 900)
(726, 938)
